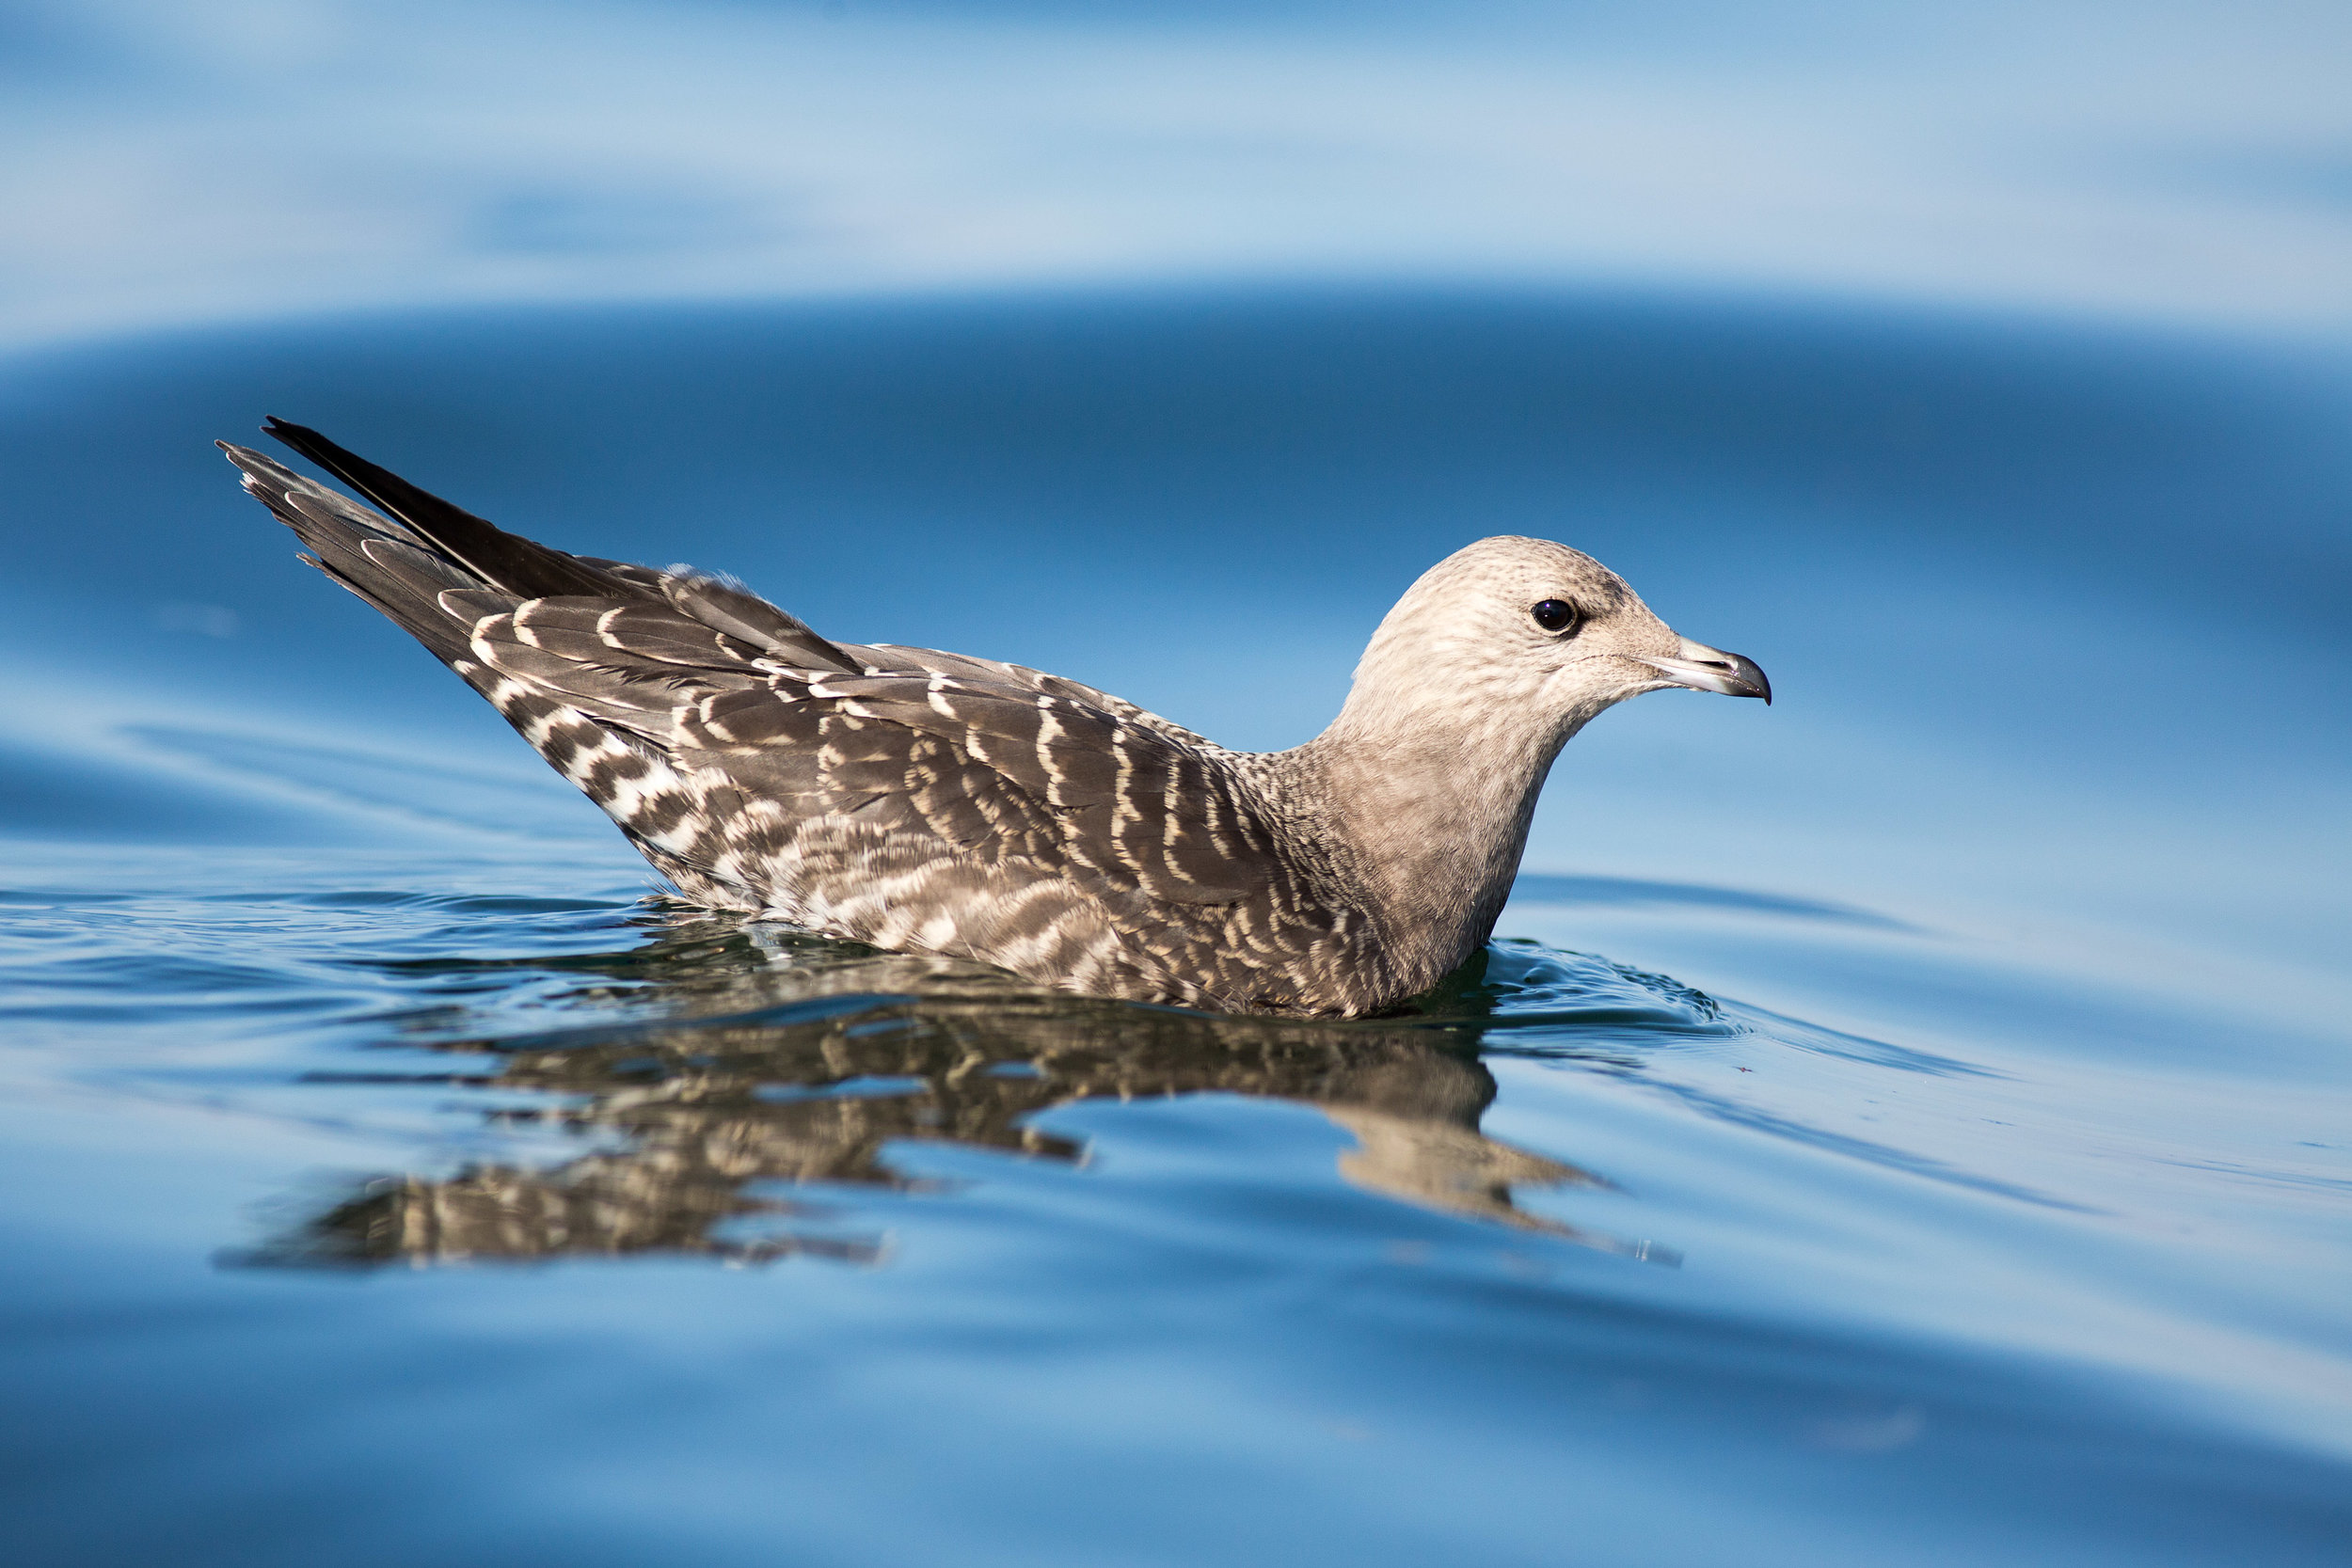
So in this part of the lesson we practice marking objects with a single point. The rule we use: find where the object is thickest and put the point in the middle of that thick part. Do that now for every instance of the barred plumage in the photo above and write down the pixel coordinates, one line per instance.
(918, 799)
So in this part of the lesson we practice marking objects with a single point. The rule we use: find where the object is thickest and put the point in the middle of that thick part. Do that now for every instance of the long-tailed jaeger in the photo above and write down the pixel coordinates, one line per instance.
(925, 801)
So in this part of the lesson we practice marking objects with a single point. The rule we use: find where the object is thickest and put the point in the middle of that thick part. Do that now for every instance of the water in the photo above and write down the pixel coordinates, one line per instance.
(1906, 1125)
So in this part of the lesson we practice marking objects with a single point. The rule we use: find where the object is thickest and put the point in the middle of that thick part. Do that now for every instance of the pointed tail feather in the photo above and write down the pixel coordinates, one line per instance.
(500, 559)
(402, 562)
(380, 560)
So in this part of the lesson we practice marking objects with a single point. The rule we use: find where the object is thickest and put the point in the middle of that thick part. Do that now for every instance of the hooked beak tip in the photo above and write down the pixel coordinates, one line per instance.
(1705, 669)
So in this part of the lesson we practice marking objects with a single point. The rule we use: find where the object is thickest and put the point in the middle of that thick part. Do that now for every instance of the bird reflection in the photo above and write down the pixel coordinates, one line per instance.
(783, 1062)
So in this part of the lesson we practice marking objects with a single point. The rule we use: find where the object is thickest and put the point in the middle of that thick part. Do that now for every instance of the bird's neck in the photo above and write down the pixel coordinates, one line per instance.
(1431, 819)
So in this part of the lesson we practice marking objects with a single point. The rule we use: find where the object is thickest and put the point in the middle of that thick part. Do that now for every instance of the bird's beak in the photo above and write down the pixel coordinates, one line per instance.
(1705, 669)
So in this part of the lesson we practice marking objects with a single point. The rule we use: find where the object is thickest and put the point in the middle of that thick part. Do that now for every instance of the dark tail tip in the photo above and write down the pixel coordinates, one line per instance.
(302, 439)
(506, 562)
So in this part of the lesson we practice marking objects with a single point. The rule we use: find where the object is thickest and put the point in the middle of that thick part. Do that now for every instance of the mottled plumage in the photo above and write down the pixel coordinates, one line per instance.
(917, 800)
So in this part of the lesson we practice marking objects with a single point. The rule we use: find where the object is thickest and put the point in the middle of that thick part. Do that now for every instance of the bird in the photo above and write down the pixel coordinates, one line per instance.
(917, 800)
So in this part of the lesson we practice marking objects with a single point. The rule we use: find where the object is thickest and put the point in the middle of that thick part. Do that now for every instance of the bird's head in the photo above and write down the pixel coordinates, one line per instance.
(1510, 631)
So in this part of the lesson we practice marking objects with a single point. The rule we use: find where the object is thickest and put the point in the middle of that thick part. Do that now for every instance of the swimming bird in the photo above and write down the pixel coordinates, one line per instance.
(920, 801)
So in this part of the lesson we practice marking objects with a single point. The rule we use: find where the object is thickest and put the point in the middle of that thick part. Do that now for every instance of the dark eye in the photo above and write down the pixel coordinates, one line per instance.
(1554, 615)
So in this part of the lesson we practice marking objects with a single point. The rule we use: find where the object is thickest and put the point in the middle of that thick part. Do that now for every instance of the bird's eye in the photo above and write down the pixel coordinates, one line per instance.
(1554, 615)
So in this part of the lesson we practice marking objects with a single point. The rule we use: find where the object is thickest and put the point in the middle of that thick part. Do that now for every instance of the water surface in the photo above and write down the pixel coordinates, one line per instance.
(1903, 1126)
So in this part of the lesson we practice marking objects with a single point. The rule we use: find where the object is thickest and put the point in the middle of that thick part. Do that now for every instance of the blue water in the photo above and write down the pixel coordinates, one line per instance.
(1906, 1125)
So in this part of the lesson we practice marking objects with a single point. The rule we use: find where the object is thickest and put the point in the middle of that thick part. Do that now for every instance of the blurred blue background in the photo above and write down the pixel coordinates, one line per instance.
(1984, 373)
(244, 160)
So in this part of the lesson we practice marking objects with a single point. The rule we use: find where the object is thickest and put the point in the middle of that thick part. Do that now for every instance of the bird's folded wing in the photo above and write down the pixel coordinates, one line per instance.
(996, 770)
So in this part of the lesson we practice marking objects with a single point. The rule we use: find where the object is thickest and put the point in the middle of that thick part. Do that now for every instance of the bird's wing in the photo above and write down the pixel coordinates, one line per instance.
(993, 771)
(717, 729)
